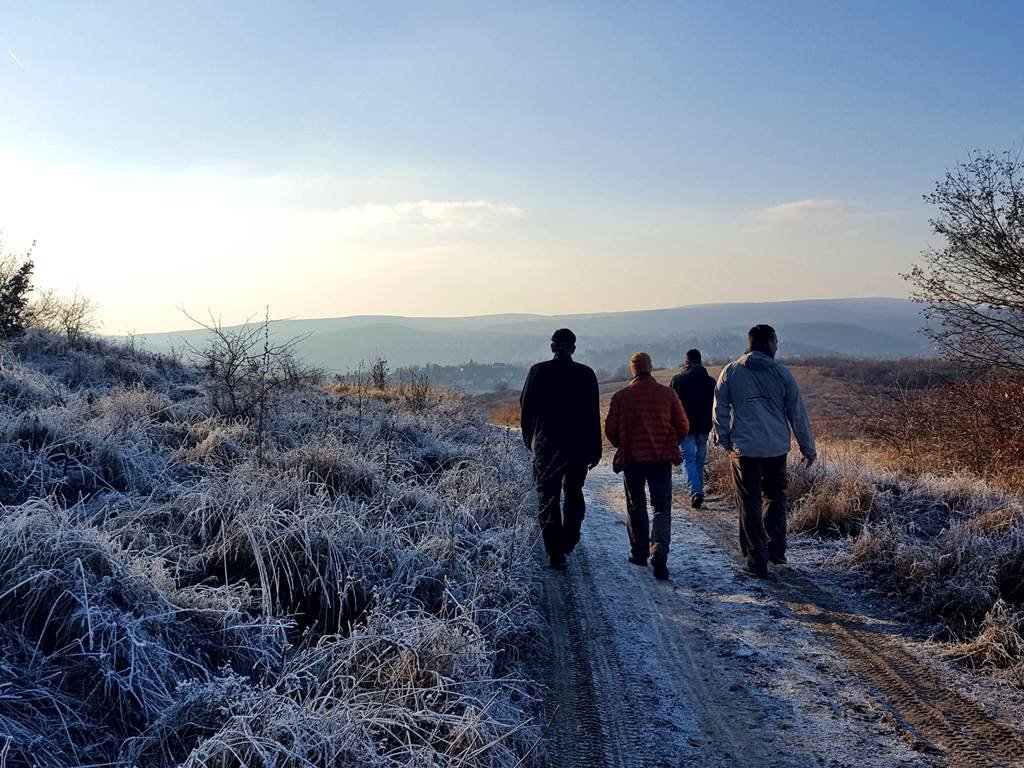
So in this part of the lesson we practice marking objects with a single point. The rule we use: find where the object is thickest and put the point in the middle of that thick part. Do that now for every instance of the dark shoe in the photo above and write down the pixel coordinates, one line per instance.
(641, 561)
(660, 571)
(780, 560)
(697, 500)
(760, 571)
(558, 562)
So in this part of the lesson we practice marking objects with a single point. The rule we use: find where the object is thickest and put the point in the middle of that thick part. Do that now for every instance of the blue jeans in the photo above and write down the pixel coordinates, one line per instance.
(695, 455)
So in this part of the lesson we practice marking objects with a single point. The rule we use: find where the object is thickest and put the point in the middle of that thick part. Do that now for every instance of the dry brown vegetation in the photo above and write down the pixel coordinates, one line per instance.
(975, 426)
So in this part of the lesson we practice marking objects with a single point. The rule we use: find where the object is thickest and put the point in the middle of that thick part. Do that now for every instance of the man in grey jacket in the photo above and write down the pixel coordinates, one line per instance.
(757, 401)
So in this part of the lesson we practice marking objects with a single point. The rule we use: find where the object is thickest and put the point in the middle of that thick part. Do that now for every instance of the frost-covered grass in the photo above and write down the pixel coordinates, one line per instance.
(360, 597)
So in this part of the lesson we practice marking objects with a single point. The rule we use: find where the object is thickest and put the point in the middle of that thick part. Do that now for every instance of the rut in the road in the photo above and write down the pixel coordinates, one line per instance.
(961, 731)
(966, 734)
(589, 735)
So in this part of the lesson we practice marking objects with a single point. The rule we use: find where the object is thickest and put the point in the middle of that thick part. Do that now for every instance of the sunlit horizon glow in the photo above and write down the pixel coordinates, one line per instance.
(456, 162)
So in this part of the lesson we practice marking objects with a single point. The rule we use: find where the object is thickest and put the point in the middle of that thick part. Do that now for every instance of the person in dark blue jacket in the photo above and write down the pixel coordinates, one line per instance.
(696, 390)
(561, 423)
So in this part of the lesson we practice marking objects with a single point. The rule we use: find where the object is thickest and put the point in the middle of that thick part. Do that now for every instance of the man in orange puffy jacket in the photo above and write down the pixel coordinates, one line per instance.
(646, 423)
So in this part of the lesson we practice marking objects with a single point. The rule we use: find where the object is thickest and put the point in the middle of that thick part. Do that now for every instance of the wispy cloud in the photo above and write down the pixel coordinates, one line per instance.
(811, 208)
(435, 214)
(14, 57)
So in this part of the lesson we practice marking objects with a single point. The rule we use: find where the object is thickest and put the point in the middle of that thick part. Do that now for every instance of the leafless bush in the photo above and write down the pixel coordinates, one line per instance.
(73, 316)
(43, 310)
(417, 392)
(975, 425)
(244, 367)
(876, 374)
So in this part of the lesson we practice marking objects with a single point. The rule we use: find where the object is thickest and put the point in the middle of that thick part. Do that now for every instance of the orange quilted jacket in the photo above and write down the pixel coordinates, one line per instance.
(645, 423)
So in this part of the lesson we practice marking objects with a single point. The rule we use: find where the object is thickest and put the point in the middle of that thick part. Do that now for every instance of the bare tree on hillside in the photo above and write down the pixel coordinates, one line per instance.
(974, 285)
(43, 309)
(76, 316)
(73, 316)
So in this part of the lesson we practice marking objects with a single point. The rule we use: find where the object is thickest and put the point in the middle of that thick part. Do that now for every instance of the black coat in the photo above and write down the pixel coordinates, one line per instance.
(561, 413)
(696, 390)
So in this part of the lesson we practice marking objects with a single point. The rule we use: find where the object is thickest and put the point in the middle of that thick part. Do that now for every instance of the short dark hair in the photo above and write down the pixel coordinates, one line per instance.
(693, 356)
(563, 337)
(760, 336)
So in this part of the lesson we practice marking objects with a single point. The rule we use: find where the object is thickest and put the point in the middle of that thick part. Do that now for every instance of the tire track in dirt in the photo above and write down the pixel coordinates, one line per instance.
(571, 695)
(960, 731)
(584, 667)
(964, 733)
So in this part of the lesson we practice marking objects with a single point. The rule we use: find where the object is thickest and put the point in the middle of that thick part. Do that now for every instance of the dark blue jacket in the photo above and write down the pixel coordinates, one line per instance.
(696, 391)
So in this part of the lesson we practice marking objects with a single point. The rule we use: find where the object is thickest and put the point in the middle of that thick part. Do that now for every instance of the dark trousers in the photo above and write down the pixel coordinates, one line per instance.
(646, 535)
(762, 534)
(560, 523)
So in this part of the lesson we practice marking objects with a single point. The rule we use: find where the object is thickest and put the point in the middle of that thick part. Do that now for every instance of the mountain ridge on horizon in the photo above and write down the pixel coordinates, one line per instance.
(514, 316)
(859, 327)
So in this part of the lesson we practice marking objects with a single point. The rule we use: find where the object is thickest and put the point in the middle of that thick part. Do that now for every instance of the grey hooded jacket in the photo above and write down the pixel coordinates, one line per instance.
(756, 403)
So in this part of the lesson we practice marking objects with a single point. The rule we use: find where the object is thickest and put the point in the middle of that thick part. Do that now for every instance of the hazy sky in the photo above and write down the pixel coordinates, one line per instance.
(461, 158)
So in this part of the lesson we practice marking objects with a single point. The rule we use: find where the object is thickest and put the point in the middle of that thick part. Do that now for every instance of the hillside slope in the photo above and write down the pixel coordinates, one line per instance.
(353, 588)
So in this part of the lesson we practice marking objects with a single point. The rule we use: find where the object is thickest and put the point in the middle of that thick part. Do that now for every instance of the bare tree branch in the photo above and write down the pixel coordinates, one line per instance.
(974, 286)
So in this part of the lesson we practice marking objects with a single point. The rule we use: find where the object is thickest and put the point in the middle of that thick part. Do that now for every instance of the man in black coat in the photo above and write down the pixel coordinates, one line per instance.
(561, 422)
(696, 390)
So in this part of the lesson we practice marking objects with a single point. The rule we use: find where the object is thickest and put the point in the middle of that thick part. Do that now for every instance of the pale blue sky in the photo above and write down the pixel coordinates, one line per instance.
(455, 158)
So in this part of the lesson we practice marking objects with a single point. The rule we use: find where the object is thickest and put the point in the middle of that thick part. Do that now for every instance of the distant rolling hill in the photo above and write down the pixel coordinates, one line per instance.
(874, 327)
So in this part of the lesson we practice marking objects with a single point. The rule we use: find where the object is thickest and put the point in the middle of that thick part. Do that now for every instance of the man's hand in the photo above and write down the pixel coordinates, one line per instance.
(808, 460)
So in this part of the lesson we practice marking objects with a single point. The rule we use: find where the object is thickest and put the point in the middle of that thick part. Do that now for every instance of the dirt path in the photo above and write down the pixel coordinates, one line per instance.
(716, 669)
